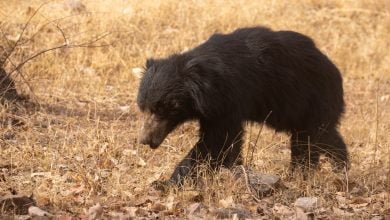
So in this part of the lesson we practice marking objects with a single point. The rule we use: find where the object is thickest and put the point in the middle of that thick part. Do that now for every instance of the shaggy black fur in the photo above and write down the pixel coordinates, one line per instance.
(251, 74)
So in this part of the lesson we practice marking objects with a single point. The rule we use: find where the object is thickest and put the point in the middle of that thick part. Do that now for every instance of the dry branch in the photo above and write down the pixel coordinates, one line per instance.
(7, 84)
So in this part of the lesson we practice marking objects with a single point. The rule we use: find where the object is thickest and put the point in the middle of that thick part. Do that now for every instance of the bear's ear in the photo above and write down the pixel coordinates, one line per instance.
(198, 96)
(204, 65)
(203, 76)
(150, 62)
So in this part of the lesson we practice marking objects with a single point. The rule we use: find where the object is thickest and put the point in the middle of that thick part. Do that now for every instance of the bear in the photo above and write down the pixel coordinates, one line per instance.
(252, 74)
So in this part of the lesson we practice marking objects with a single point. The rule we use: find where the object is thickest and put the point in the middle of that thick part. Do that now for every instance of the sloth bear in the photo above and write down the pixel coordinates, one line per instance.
(253, 74)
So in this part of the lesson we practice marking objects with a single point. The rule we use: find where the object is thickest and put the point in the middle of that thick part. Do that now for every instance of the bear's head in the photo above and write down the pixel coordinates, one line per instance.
(172, 91)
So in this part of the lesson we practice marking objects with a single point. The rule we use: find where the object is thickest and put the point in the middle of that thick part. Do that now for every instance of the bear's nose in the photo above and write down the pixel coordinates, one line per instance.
(147, 140)
(143, 139)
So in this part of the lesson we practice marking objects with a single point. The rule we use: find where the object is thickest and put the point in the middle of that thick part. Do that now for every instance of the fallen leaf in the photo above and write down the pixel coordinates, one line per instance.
(342, 212)
(358, 200)
(193, 208)
(282, 211)
(158, 207)
(302, 215)
(226, 203)
(197, 198)
(142, 212)
(341, 200)
(118, 215)
(307, 203)
(124, 108)
(358, 203)
(41, 174)
(170, 202)
(384, 98)
(132, 211)
(95, 212)
(233, 213)
(141, 162)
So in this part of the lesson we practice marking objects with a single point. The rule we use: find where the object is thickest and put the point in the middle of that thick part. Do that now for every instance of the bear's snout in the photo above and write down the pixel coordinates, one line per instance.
(153, 131)
(148, 140)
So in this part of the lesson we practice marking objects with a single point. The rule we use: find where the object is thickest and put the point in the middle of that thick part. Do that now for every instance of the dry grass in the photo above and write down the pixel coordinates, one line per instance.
(81, 147)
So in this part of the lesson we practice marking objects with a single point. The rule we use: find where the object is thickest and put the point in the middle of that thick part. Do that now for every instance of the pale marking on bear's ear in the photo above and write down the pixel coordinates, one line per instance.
(138, 72)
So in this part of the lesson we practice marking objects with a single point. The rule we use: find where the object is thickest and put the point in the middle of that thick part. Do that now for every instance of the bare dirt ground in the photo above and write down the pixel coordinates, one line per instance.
(74, 145)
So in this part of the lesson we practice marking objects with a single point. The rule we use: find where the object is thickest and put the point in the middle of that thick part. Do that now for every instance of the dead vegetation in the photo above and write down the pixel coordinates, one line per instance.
(75, 148)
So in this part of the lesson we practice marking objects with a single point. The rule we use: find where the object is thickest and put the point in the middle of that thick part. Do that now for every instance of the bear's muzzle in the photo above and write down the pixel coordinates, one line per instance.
(154, 130)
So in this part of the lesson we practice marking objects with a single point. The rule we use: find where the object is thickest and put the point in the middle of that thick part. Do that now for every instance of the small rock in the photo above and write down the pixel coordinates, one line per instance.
(307, 203)
(22, 217)
(17, 204)
(262, 184)
(358, 191)
(224, 213)
(34, 211)
(124, 108)
(119, 216)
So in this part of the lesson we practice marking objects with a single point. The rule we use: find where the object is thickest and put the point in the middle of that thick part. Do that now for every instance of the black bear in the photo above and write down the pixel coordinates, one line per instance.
(254, 74)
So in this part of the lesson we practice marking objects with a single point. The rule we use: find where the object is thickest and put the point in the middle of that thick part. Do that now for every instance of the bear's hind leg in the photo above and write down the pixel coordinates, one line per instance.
(333, 146)
(304, 153)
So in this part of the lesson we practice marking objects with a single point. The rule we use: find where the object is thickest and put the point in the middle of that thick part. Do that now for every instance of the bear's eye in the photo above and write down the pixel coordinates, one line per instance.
(159, 111)
(175, 105)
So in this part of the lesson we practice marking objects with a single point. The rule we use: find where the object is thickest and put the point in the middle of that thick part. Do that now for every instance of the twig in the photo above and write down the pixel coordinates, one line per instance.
(9, 44)
(66, 42)
(376, 121)
(257, 138)
(25, 81)
(250, 138)
(24, 29)
(247, 183)
(55, 21)
(63, 46)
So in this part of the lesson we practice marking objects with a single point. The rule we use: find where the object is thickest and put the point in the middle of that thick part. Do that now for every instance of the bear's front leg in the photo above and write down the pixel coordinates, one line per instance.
(219, 145)
(188, 165)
